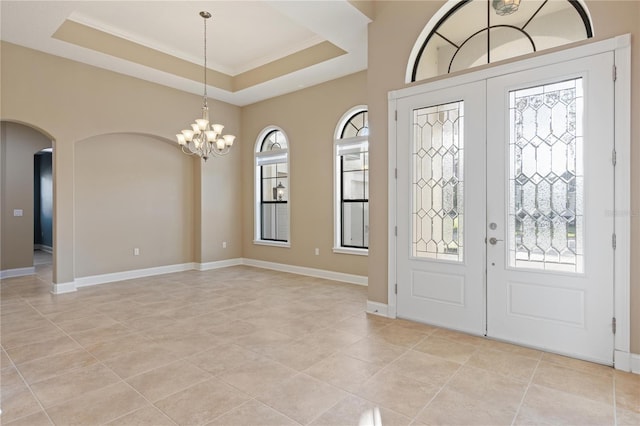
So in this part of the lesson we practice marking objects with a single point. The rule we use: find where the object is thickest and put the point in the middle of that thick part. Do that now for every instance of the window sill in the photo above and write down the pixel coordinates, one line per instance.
(348, 250)
(272, 243)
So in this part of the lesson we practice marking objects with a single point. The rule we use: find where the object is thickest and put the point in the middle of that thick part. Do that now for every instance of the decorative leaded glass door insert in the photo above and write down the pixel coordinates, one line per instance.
(546, 182)
(438, 182)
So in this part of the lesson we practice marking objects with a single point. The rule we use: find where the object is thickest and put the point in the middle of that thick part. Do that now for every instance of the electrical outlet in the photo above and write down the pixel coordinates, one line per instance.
(317, 251)
(136, 251)
(224, 244)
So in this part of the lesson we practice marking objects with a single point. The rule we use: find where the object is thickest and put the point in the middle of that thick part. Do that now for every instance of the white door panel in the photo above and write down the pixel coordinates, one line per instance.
(440, 244)
(550, 180)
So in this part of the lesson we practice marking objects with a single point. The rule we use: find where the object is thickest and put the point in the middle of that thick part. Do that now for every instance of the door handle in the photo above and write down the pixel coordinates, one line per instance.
(493, 241)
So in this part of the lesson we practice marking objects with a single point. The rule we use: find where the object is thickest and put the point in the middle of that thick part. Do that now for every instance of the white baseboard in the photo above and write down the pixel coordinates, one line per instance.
(635, 363)
(310, 272)
(377, 308)
(17, 272)
(62, 288)
(626, 361)
(127, 275)
(44, 248)
(69, 287)
(219, 264)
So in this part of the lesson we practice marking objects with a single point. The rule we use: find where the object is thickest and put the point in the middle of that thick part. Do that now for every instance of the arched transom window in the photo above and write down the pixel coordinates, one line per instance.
(468, 33)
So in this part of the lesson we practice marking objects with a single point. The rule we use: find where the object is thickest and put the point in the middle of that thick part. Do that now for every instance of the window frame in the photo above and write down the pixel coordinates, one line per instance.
(261, 159)
(338, 143)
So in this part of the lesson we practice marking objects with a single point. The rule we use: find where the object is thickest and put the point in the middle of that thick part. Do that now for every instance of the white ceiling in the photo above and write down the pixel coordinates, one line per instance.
(241, 36)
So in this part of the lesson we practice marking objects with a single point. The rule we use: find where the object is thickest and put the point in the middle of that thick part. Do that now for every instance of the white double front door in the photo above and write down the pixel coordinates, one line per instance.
(504, 207)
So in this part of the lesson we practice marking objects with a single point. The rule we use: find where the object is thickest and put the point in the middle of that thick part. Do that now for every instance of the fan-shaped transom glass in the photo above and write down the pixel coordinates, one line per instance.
(470, 33)
(273, 140)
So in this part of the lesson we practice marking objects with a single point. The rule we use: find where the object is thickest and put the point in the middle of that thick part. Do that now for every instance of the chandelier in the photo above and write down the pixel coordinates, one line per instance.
(506, 7)
(204, 138)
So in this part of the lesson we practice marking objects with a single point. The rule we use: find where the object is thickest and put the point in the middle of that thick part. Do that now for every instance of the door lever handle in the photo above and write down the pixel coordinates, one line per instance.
(493, 241)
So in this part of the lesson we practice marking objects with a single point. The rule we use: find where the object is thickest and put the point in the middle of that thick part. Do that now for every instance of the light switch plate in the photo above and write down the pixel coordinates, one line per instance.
(17, 212)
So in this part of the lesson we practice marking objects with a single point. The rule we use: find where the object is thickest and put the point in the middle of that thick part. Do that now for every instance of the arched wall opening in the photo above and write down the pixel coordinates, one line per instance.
(20, 142)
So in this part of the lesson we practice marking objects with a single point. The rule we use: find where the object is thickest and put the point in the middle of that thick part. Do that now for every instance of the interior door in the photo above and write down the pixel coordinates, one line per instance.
(441, 205)
(550, 181)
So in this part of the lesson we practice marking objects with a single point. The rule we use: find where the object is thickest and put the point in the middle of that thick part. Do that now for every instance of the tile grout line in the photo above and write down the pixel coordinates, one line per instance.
(524, 395)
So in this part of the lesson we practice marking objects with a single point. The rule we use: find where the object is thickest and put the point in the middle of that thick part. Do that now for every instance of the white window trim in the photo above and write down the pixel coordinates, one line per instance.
(262, 159)
(337, 202)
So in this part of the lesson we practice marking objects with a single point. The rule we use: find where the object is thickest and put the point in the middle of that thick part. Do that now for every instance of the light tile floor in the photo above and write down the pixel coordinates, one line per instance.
(245, 346)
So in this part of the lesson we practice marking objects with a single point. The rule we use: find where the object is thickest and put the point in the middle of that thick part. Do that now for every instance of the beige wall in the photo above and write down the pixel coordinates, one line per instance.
(389, 51)
(18, 144)
(309, 118)
(74, 102)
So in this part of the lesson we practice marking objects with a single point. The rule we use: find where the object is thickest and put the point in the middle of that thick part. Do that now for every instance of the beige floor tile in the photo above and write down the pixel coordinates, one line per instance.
(544, 406)
(76, 313)
(115, 347)
(166, 380)
(37, 419)
(263, 342)
(577, 364)
(627, 417)
(55, 365)
(133, 363)
(399, 335)
(201, 403)
(97, 407)
(488, 389)
(4, 359)
(302, 398)
(374, 351)
(398, 393)
(424, 367)
(350, 410)
(460, 337)
(221, 359)
(147, 416)
(229, 331)
(453, 408)
(511, 348)
(507, 364)
(97, 320)
(14, 338)
(253, 413)
(60, 344)
(595, 387)
(257, 377)
(362, 324)
(331, 339)
(69, 385)
(447, 349)
(16, 399)
(100, 334)
(627, 391)
(343, 371)
(300, 355)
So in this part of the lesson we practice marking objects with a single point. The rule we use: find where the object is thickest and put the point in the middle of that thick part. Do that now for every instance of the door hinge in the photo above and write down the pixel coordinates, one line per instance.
(395, 231)
(614, 157)
(613, 241)
(614, 73)
(396, 115)
(396, 290)
(613, 324)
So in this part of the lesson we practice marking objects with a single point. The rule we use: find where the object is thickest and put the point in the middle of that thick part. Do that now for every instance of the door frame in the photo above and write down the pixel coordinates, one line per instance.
(621, 47)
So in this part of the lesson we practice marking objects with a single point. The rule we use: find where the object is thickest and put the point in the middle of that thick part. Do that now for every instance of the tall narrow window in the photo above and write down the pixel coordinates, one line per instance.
(351, 167)
(272, 188)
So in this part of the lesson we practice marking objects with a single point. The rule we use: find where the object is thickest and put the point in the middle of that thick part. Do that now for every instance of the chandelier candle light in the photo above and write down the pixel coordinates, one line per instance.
(204, 138)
